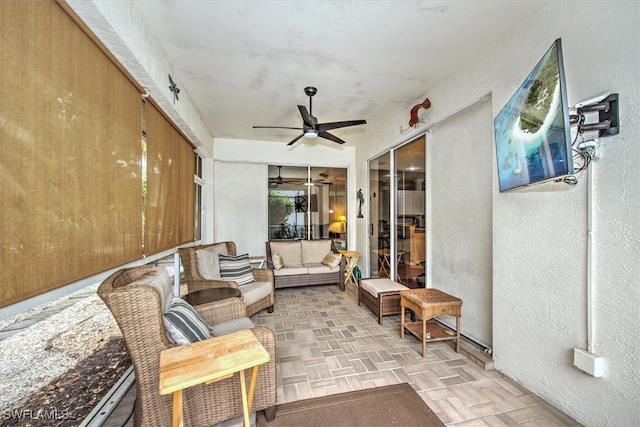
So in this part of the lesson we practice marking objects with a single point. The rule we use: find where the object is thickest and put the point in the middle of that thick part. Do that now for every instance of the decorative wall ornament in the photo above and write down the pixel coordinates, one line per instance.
(174, 88)
(301, 204)
(414, 119)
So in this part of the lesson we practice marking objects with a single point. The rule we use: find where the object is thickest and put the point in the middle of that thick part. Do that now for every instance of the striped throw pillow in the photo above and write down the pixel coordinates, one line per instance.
(183, 324)
(236, 268)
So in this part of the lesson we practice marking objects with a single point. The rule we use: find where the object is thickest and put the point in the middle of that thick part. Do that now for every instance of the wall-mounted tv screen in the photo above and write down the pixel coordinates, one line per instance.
(532, 132)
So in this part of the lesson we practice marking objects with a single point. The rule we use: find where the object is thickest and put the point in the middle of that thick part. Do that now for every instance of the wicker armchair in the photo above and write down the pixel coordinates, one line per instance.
(196, 282)
(137, 309)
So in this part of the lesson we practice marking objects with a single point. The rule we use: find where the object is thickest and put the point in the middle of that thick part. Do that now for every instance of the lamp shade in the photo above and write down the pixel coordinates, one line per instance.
(342, 218)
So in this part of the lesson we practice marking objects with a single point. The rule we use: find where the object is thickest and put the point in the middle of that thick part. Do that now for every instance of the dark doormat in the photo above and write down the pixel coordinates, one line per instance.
(394, 405)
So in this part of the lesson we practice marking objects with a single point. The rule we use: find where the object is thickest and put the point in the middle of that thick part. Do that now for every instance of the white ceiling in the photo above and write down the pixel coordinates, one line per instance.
(246, 63)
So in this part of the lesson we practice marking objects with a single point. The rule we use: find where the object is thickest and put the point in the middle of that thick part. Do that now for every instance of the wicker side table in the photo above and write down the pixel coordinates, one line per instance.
(427, 304)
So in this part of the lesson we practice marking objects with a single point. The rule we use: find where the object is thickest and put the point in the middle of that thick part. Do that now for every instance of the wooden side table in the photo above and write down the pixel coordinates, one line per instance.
(209, 361)
(352, 258)
(427, 304)
(384, 256)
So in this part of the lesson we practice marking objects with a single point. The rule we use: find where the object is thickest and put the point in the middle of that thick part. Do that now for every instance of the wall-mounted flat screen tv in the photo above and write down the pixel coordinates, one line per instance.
(532, 132)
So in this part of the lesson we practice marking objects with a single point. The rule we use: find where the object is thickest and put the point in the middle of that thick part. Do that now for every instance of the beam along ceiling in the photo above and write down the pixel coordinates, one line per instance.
(246, 63)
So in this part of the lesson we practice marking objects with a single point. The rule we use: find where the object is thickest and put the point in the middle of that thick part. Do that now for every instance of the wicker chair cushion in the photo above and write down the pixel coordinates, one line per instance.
(183, 324)
(236, 268)
(314, 251)
(255, 291)
(232, 326)
(207, 261)
(158, 277)
(332, 260)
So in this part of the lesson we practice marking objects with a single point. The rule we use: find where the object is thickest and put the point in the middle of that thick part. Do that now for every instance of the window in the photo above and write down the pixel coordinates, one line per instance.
(308, 202)
(197, 208)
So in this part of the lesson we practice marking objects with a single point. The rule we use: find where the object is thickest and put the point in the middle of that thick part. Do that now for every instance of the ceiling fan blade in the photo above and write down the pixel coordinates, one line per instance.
(327, 135)
(335, 125)
(306, 117)
(275, 127)
(295, 139)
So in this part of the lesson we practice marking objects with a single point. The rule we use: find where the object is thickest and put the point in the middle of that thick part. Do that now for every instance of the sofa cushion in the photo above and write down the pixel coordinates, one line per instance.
(289, 251)
(332, 260)
(291, 271)
(207, 261)
(183, 324)
(158, 277)
(231, 326)
(236, 268)
(314, 251)
(319, 268)
(277, 261)
(255, 291)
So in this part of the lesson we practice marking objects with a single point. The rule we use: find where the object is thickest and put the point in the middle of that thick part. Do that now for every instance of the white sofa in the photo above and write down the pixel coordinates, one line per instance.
(305, 263)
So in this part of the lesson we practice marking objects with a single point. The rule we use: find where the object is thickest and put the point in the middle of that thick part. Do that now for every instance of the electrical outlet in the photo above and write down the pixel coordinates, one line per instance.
(588, 362)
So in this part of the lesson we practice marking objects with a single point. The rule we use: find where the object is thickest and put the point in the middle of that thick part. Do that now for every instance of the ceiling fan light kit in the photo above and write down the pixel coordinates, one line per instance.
(310, 134)
(310, 126)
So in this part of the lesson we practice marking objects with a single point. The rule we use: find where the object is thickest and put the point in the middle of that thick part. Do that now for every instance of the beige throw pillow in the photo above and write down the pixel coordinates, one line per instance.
(207, 261)
(332, 260)
(277, 261)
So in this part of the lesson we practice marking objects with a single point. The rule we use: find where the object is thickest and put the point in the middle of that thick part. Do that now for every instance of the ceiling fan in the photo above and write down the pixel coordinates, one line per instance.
(278, 181)
(310, 127)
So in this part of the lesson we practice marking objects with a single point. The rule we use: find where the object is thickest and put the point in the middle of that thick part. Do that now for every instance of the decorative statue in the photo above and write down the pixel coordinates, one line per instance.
(413, 120)
(361, 201)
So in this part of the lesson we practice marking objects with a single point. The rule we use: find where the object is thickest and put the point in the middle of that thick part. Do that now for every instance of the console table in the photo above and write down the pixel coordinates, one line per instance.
(427, 304)
(209, 361)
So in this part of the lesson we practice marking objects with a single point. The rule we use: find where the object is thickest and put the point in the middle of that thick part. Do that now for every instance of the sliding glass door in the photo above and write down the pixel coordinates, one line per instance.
(308, 202)
(410, 213)
(380, 199)
(397, 211)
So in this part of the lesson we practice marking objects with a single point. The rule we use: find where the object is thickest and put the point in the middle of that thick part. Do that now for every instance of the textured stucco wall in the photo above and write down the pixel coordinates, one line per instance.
(459, 216)
(539, 234)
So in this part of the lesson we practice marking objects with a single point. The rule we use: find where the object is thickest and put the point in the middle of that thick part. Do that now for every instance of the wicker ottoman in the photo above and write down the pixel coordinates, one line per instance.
(382, 296)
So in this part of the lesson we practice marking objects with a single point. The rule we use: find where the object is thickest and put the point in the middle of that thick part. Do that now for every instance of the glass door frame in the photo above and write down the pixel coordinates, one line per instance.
(393, 209)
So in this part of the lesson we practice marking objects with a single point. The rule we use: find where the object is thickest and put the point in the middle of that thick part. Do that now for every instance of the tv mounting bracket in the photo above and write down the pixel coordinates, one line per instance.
(606, 107)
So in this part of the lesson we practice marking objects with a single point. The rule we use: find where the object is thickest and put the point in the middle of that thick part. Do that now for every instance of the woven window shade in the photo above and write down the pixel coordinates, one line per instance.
(169, 217)
(70, 173)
